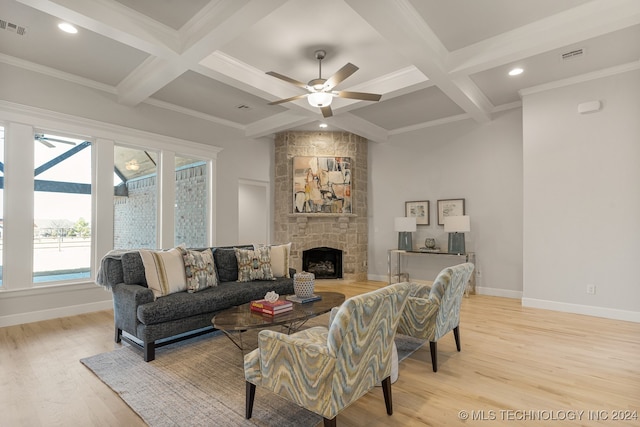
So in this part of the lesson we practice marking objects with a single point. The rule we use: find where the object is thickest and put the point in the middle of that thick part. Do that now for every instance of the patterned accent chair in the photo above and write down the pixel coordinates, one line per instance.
(432, 311)
(326, 369)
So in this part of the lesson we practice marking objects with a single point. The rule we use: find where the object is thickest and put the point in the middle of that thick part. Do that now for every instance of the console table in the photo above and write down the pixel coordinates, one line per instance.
(399, 254)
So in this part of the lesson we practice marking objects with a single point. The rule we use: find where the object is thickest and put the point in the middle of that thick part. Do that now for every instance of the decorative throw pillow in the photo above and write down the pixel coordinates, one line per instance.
(164, 271)
(226, 264)
(279, 259)
(199, 269)
(254, 264)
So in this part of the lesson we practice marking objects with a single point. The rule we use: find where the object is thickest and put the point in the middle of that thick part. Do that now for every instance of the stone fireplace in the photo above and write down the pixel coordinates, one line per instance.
(324, 263)
(347, 232)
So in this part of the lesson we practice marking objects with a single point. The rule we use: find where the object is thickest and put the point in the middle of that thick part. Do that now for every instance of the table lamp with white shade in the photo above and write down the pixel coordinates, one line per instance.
(456, 226)
(405, 226)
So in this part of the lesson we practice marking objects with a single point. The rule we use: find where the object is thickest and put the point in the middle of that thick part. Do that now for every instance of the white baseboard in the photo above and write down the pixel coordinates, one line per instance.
(54, 313)
(609, 313)
(496, 292)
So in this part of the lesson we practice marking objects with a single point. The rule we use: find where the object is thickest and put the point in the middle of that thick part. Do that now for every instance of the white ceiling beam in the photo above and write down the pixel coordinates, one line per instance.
(356, 125)
(397, 83)
(238, 74)
(219, 23)
(399, 23)
(276, 123)
(583, 22)
(115, 21)
(208, 31)
(289, 120)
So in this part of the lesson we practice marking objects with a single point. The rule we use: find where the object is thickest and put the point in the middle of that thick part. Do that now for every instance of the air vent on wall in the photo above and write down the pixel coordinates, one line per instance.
(14, 28)
(576, 53)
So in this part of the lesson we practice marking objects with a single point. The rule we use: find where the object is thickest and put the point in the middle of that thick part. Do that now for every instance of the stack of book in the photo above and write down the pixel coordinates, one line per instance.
(300, 300)
(271, 308)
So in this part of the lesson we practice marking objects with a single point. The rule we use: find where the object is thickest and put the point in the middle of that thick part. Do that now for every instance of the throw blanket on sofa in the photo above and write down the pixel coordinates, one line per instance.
(102, 277)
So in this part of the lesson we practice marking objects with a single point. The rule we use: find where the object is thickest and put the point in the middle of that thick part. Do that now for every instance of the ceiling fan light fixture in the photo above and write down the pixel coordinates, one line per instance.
(320, 99)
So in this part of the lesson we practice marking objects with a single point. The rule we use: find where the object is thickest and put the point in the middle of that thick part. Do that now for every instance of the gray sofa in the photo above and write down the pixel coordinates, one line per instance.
(148, 323)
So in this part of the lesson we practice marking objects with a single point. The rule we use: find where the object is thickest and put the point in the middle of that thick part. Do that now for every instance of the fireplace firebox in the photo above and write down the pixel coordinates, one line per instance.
(323, 262)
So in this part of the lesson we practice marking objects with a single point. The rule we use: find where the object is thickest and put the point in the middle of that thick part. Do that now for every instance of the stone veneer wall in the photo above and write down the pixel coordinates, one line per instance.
(348, 232)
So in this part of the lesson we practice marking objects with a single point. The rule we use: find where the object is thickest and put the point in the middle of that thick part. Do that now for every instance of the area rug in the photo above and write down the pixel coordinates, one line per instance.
(200, 382)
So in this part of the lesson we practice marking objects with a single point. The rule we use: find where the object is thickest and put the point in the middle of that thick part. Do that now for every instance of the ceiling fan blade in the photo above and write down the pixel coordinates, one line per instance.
(326, 111)
(293, 98)
(359, 95)
(287, 79)
(340, 75)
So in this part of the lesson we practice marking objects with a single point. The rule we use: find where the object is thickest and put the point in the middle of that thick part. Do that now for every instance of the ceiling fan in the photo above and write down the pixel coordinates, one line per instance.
(321, 91)
(45, 140)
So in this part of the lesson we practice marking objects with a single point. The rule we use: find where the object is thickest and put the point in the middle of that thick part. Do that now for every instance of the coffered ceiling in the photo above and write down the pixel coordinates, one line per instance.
(433, 61)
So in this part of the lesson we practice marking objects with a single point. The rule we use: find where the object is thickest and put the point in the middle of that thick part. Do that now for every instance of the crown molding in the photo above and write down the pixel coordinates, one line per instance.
(47, 119)
(606, 72)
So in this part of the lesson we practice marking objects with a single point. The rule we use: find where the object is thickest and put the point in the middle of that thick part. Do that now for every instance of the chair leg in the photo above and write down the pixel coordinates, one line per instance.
(251, 394)
(434, 355)
(456, 334)
(386, 389)
(330, 422)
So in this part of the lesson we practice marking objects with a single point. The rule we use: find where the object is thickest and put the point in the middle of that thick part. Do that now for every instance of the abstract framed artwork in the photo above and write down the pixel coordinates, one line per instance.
(449, 207)
(419, 210)
(322, 185)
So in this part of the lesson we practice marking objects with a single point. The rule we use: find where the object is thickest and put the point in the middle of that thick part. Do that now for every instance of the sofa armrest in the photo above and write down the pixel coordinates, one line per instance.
(126, 300)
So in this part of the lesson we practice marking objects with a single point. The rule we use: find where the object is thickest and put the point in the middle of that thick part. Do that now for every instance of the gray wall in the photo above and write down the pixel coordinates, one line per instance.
(581, 198)
(481, 163)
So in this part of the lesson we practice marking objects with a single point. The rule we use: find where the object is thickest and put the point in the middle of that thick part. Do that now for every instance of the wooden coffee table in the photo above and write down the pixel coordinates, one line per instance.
(235, 320)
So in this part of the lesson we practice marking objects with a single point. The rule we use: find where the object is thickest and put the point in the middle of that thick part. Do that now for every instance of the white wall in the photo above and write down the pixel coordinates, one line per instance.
(253, 212)
(582, 198)
(481, 163)
(241, 160)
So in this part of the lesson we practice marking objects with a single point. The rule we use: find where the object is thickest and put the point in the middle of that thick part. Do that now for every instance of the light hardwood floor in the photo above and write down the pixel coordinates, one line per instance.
(516, 364)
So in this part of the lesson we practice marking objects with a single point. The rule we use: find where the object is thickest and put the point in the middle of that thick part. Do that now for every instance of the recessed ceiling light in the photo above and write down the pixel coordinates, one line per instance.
(323, 125)
(516, 71)
(67, 28)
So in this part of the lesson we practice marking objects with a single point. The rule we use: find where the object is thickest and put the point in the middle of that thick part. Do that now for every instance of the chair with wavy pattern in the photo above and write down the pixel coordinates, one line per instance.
(432, 311)
(326, 369)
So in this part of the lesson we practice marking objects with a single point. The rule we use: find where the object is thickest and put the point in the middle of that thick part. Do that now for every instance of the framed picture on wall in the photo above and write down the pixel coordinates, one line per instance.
(322, 185)
(449, 207)
(419, 210)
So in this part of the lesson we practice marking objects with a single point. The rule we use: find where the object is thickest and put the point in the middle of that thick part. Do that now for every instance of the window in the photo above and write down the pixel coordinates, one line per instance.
(191, 202)
(135, 205)
(61, 208)
(74, 195)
